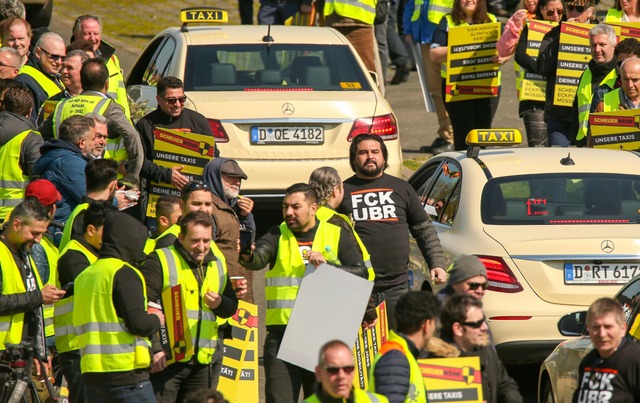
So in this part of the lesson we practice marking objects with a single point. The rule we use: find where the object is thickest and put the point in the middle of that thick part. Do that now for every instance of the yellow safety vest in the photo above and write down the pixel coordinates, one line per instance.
(11, 326)
(585, 95)
(151, 243)
(78, 105)
(361, 10)
(613, 15)
(437, 10)
(359, 395)
(201, 323)
(417, 392)
(48, 85)
(103, 340)
(283, 280)
(68, 226)
(63, 311)
(451, 24)
(117, 89)
(52, 258)
(13, 181)
(324, 213)
(612, 100)
(116, 150)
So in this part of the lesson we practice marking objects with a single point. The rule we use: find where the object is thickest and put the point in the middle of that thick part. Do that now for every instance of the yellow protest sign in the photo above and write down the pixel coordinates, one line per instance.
(470, 72)
(239, 374)
(452, 379)
(534, 85)
(618, 129)
(175, 335)
(627, 29)
(174, 148)
(367, 346)
(574, 54)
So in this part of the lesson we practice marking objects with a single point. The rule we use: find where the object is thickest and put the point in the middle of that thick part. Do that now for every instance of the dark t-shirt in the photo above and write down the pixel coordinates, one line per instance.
(383, 210)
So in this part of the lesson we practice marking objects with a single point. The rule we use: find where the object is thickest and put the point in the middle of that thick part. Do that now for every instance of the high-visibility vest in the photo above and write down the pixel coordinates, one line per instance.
(324, 213)
(201, 323)
(78, 105)
(612, 100)
(65, 335)
(52, 254)
(361, 10)
(359, 395)
(613, 15)
(151, 243)
(103, 340)
(117, 89)
(117, 151)
(68, 226)
(13, 181)
(585, 95)
(438, 9)
(48, 85)
(451, 24)
(417, 9)
(283, 280)
(416, 382)
(11, 326)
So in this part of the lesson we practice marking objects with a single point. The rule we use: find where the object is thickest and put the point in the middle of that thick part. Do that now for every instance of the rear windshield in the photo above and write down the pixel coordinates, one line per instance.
(253, 67)
(562, 199)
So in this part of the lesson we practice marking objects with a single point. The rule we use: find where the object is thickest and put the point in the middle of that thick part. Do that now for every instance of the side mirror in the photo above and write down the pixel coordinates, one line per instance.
(374, 75)
(573, 324)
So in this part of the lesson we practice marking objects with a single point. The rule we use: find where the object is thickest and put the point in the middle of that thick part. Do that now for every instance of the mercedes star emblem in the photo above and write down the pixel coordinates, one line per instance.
(607, 246)
(288, 109)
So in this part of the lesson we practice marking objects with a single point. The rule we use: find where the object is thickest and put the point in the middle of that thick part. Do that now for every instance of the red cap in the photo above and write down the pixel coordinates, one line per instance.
(44, 191)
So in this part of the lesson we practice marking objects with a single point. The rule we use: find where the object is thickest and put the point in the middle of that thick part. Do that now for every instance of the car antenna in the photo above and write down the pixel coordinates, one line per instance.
(268, 38)
(567, 161)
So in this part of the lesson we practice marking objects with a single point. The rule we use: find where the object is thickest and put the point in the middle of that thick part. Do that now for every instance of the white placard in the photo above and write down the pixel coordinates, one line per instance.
(330, 305)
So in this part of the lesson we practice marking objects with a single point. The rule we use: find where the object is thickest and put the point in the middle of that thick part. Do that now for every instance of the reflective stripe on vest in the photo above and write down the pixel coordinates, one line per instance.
(105, 344)
(585, 95)
(12, 180)
(52, 259)
(78, 105)
(201, 323)
(151, 243)
(613, 15)
(438, 9)
(117, 89)
(11, 326)
(48, 85)
(289, 264)
(65, 335)
(416, 382)
(361, 10)
(68, 226)
(451, 24)
(417, 9)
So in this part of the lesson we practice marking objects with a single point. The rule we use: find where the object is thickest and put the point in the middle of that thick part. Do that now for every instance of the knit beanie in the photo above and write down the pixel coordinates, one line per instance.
(466, 266)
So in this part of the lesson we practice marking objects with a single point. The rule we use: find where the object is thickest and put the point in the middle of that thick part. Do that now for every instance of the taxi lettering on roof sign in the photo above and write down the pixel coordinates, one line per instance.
(506, 137)
(203, 14)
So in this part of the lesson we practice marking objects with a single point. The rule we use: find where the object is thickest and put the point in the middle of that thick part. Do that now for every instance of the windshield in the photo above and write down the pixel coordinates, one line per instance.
(251, 67)
(562, 199)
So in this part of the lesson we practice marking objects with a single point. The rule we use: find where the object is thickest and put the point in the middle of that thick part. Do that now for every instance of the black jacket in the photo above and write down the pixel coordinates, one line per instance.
(392, 373)
(12, 124)
(73, 263)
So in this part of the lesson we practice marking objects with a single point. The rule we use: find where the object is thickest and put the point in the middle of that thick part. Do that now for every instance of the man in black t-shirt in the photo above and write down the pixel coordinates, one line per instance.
(611, 371)
(385, 209)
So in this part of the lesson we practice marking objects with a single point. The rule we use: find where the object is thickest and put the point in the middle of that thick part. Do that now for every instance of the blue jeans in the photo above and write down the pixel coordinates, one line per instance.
(276, 12)
(558, 132)
(141, 392)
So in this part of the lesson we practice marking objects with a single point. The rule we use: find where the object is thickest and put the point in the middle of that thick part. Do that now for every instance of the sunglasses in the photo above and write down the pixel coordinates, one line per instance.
(558, 11)
(2, 65)
(334, 370)
(195, 185)
(475, 286)
(579, 9)
(173, 101)
(53, 57)
(475, 325)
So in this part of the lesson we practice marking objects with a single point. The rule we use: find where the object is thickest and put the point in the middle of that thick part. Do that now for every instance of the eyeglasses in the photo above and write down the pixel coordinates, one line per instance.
(195, 185)
(558, 11)
(173, 101)
(475, 325)
(2, 65)
(475, 286)
(579, 9)
(334, 370)
(54, 58)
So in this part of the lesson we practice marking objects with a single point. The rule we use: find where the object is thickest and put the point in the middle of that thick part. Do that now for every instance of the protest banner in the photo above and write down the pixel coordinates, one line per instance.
(470, 72)
(452, 379)
(367, 346)
(533, 85)
(627, 29)
(618, 129)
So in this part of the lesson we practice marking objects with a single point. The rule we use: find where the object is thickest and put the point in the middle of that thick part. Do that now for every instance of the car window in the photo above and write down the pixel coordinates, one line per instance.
(421, 182)
(159, 65)
(562, 199)
(142, 64)
(281, 67)
(444, 196)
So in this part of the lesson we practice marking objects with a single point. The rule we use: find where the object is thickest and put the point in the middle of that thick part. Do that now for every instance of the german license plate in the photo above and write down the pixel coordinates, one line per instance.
(604, 273)
(287, 135)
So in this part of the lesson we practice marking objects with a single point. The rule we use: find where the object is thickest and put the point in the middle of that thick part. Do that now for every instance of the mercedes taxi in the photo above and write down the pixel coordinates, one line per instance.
(280, 100)
(555, 227)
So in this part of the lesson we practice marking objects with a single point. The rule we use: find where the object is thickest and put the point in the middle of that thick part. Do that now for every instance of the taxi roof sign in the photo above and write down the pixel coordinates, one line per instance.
(203, 15)
(492, 137)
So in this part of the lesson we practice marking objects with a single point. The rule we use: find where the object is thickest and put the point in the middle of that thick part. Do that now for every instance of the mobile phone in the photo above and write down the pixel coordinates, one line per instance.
(246, 240)
(68, 287)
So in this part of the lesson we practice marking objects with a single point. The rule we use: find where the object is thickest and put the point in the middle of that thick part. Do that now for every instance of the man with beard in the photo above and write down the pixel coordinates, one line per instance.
(385, 209)
(287, 248)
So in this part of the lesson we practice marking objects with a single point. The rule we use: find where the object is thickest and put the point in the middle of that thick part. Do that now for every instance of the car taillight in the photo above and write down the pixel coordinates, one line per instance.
(384, 126)
(218, 131)
(500, 277)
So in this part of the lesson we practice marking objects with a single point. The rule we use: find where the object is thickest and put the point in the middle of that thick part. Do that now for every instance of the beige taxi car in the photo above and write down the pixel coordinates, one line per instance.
(556, 228)
(281, 100)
